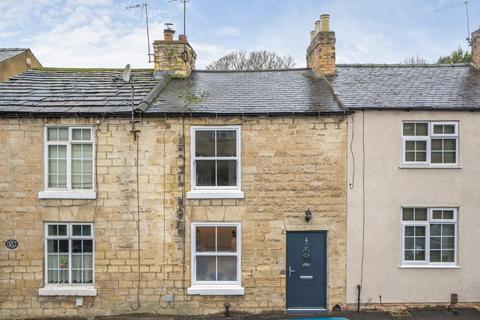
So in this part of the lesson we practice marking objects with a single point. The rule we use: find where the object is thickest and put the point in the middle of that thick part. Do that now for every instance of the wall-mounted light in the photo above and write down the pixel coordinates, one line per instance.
(308, 215)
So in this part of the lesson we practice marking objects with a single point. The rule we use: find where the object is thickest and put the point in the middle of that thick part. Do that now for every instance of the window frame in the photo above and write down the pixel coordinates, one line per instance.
(428, 138)
(194, 254)
(215, 191)
(427, 224)
(68, 192)
(69, 236)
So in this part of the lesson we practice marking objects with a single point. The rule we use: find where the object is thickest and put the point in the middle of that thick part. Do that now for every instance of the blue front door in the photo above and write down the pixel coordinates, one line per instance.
(306, 270)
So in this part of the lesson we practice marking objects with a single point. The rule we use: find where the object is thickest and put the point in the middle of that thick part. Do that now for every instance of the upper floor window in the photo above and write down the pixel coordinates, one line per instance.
(430, 143)
(429, 236)
(69, 160)
(215, 162)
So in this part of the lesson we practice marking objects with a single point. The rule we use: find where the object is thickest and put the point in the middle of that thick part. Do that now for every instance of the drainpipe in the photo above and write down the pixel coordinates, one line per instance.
(359, 290)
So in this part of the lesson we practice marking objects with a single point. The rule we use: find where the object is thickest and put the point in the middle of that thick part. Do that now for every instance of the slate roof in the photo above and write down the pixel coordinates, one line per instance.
(445, 87)
(247, 92)
(73, 91)
(7, 53)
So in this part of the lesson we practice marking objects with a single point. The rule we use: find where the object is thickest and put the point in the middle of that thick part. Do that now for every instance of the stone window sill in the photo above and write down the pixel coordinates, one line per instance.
(428, 166)
(216, 290)
(68, 194)
(68, 290)
(429, 266)
(215, 194)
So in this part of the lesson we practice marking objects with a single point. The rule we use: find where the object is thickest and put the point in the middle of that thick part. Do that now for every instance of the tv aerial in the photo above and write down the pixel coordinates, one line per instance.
(464, 3)
(144, 9)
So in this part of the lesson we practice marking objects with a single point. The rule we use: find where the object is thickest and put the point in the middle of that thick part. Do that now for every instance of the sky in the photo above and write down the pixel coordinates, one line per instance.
(103, 33)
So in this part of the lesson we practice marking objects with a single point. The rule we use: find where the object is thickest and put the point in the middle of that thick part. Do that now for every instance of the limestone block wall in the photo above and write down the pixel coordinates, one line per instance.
(288, 165)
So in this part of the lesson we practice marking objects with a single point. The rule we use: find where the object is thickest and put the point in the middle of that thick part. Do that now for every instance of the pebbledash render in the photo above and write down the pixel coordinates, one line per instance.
(227, 190)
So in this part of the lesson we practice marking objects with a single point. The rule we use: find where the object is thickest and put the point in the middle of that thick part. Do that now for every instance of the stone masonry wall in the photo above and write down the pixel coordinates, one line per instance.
(288, 165)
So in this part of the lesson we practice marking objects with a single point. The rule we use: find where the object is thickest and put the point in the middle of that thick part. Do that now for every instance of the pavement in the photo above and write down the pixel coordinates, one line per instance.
(423, 314)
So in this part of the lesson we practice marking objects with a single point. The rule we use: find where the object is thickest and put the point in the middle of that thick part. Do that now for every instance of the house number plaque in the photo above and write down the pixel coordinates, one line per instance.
(11, 244)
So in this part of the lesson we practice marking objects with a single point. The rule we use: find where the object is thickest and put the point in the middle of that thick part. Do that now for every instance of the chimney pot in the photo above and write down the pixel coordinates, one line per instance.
(182, 38)
(168, 34)
(312, 35)
(325, 23)
(317, 27)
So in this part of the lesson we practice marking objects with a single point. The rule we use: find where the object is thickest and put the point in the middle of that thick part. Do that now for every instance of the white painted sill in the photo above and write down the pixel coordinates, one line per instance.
(215, 194)
(68, 194)
(429, 266)
(216, 290)
(67, 290)
(428, 166)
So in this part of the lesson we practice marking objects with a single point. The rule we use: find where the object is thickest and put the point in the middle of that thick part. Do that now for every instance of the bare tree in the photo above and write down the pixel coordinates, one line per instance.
(255, 60)
(415, 60)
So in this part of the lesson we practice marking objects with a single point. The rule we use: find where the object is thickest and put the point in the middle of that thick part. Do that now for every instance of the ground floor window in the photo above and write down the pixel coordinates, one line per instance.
(216, 254)
(429, 236)
(69, 253)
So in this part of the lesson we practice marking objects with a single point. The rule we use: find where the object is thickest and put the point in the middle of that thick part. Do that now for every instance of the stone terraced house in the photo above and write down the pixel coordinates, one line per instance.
(228, 190)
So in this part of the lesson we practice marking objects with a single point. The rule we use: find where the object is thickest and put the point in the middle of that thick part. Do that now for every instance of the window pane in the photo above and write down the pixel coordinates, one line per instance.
(52, 246)
(205, 238)
(205, 143)
(409, 255)
(62, 230)
(408, 129)
(63, 262)
(226, 172)
(52, 134)
(77, 151)
(410, 145)
(448, 243)
(448, 230)
(63, 245)
(435, 242)
(437, 128)
(52, 230)
(448, 214)
(437, 214)
(419, 243)
(419, 231)
(421, 129)
(421, 214)
(450, 144)
(435, 230)
(206, 268)
(409, 243)
(227, 268)
(86, 134)
(407, 214)
(226, 143)
(421, 156)
(448, 256)
(449, 157)
(205, 172)
(76, 230)
(86, 230)
(76, 134)
(227, 239)
(87, 246)
(77, 276)
(410, 156)
(435, 256)
(409, 231)
(449, 129)
(77, 246)
(88, 276)
(420, 255)
(437, 144)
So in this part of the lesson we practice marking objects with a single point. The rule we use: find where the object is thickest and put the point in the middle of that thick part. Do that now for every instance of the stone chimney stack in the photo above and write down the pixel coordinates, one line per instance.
(476, 48)
(321, 51)
(173, 57)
